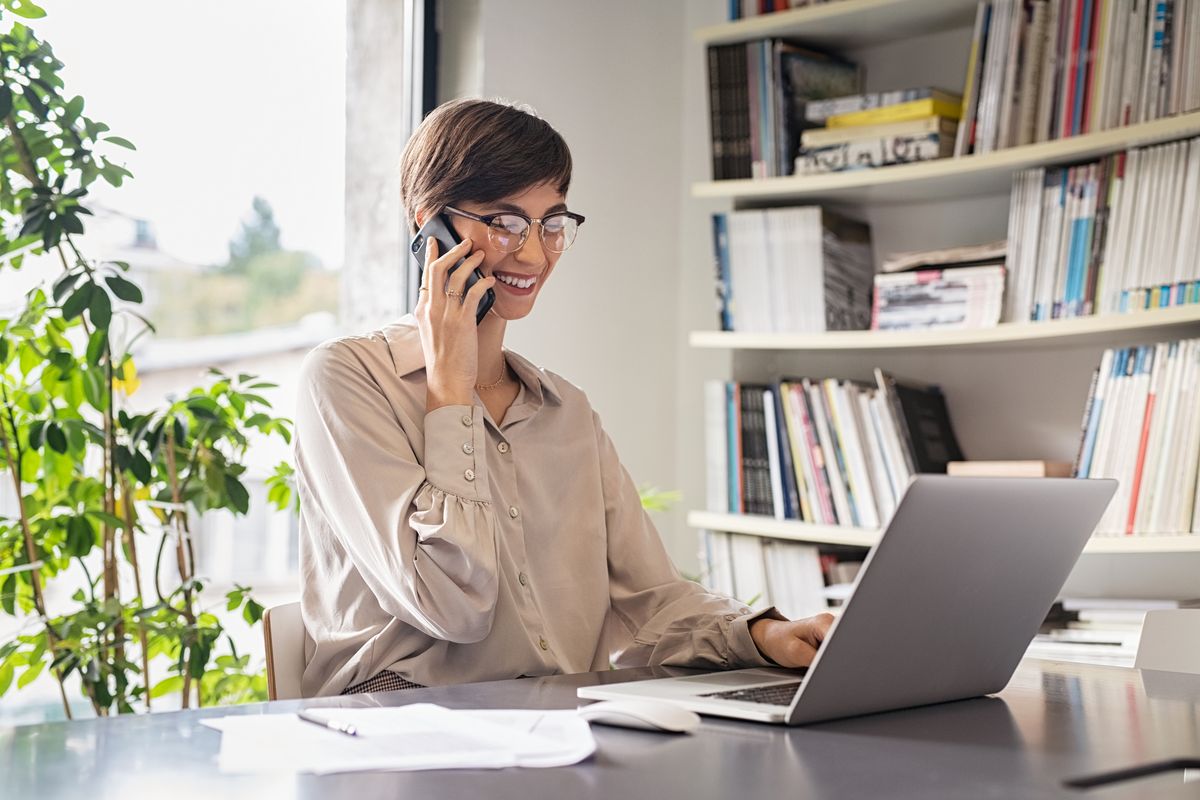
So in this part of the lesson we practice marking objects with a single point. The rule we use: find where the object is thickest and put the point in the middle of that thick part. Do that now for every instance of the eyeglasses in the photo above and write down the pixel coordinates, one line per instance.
(508, 231)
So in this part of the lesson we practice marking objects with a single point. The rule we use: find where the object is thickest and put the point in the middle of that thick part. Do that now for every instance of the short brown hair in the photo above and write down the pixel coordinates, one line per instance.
(480, 151)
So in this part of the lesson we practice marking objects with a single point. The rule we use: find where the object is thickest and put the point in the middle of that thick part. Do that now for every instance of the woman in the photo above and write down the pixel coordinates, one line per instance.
(464, 516)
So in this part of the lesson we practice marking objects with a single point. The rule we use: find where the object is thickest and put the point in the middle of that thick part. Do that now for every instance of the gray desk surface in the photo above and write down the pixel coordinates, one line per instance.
(1054, 721)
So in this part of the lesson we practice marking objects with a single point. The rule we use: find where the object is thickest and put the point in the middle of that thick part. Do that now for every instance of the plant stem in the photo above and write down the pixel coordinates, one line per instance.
(24, 159)
(137, 580)
(185, 574)
(35, 577)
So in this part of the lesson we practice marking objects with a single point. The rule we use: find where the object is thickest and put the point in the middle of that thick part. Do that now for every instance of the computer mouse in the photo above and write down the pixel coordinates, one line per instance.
(650, 715)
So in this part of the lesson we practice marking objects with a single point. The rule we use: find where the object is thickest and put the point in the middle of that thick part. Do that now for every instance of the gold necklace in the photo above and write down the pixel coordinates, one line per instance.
(503, 378)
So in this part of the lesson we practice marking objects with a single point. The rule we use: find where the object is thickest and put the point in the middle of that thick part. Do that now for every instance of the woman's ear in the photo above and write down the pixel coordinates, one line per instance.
(423, 215)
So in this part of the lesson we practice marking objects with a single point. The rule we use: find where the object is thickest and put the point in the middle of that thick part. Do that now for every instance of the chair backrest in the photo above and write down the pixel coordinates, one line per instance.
(1170, 641)
(283, 634)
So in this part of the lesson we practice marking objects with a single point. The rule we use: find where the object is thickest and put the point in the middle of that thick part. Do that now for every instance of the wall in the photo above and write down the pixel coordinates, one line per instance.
(606, 75)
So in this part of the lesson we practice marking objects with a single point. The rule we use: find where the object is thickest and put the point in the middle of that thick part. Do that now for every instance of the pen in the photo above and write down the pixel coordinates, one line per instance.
(333, 725)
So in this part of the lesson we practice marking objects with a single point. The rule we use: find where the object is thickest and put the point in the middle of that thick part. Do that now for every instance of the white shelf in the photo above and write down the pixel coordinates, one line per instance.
(1178, 321)
(783, 529)
(969, 176)
(865, 537)
(847, 23)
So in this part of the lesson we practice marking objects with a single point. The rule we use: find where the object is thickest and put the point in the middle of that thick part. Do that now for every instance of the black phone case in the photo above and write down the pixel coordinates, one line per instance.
(439, 227)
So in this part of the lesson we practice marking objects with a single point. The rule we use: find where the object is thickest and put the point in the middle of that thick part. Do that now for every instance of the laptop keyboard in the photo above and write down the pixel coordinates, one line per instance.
(779, 694)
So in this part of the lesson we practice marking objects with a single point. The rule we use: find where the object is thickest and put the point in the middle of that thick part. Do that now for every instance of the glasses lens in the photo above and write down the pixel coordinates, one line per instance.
(508, 232)
(558, 232)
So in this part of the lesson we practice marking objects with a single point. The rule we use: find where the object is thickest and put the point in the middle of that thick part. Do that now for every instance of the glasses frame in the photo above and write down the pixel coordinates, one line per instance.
(487, 220)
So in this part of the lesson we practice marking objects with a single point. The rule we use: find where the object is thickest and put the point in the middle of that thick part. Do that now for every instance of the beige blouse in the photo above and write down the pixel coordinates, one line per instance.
(449, 549)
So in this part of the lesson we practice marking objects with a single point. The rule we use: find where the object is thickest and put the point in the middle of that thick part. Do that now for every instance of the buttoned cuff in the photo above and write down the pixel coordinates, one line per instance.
(456, 452)
(744, 652)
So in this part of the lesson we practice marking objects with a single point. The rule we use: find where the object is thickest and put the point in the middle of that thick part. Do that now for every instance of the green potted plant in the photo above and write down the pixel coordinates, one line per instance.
(111, 493)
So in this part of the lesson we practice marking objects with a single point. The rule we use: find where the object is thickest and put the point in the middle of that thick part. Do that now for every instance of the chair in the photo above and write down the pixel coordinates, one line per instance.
(1170, 641)
(283, 634)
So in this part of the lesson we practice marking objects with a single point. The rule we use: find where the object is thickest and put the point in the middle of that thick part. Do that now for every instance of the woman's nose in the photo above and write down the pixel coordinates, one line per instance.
(531, 252)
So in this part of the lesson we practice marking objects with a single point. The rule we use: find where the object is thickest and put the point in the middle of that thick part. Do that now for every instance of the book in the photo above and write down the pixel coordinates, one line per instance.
(749, 571)
(825, 451)
(757, 92)
(1011, 469)
(1142, 427)
(823, 137)
(819, 111)
(874, 152)
(937, 105)
(925, 418)
(969, 255)
(1046, 69)
(951, 298)
(1113, 235)
(799, 269)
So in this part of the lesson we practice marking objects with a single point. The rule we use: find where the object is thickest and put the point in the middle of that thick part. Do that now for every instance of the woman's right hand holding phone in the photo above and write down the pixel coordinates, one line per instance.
(446, 320)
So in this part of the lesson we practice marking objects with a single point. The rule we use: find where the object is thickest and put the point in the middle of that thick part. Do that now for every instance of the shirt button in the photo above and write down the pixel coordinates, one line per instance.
(542, 643)
(467, 420)
(502, 447)
(524, 579)
(468, 449)
(469, 474)
(513, 512)
(730, 617)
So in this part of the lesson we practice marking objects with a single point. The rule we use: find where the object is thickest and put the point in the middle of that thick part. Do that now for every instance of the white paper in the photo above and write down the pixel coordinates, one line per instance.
(412, 737)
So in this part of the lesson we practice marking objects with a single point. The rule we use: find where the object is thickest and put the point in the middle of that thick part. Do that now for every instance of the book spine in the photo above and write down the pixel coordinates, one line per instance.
(789, 470)
(716, 132)
(1078, 467)
(970, 101)
(737, 503)
(816, 456)
(774, 463)
(859, 154)
(724, 284)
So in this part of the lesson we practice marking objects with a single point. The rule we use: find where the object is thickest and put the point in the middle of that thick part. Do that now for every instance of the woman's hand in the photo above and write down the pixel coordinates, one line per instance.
(790, 644)
(446, 320)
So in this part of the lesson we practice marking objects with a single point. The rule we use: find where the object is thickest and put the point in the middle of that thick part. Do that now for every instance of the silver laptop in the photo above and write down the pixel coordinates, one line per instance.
(943, 609)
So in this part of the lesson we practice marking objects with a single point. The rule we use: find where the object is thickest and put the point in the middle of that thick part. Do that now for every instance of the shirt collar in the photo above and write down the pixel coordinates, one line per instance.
(404, 343)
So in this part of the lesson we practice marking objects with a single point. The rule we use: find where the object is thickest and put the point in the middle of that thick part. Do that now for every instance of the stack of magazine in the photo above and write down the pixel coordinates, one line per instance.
(878, 129)
(1114, 235)
(954, 288)
(1049, 69)
(830, 452)
(1142, 427)
(792, 270)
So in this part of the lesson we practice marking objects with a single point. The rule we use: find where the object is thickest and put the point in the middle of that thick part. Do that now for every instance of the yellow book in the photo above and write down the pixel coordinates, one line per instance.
(900, 112)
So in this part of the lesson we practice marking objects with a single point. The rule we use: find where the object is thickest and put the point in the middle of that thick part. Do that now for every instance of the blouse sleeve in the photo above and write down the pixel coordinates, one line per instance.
(669, 620)
(422, 536)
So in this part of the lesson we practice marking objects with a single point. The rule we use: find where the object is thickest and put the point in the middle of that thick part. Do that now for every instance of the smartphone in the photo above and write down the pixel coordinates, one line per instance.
(439, 227)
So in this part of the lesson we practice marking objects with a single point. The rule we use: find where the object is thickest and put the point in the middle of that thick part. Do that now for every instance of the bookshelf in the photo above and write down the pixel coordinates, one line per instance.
(847, 24)
(945, 178)
(867, 537)
(1107, 330)
(1015, 390)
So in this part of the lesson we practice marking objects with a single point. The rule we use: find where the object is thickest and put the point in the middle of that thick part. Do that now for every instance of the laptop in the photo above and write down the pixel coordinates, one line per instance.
(943, 609)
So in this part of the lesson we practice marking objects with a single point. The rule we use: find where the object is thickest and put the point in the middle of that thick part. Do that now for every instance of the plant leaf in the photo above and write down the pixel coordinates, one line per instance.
(239, 498)
(124, 289)
(78, 301)
(56, 438)
(100, 308)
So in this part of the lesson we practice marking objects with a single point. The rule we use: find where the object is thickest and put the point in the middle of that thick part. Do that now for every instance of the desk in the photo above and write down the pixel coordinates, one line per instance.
(1053, 721)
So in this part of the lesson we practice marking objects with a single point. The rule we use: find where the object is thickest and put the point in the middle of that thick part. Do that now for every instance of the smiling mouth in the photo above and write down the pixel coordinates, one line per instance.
(516, 281)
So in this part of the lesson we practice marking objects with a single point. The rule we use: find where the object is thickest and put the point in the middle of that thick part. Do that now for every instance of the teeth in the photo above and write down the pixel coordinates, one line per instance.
(518, 282)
